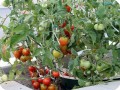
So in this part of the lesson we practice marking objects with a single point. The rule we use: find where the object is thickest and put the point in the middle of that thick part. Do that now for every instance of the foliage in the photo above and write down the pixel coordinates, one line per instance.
(39, 26)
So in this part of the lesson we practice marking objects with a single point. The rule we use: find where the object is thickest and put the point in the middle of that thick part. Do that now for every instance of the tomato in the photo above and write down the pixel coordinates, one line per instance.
(28, 58)
(64, 24)
(68, 52)
(17, 54)
(87, 83)
(56, 54)
(96, 26)
(43, 87)
(99, 27)
(55, 74)
(68, 8)
(32, 68)
(67, 33)
(4, 77)
(36, 85)
(33, 80)
(85, 64)
(99, 68)
(52, 87)
(47, 81)
(20, 49)
(47, 71)
(42, 71)
(33, 74)
(23, 58)
(26, 51)
(40, 80)
(63, 49)
(63, 41)
(72, 27)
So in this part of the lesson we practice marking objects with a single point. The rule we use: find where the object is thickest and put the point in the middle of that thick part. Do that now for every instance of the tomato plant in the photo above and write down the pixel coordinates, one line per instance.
(63, 33)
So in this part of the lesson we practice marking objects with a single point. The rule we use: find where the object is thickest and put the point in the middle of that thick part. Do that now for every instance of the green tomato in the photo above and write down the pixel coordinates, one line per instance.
(41, 28)
(99, 68)
(96, 26)
(100, 27)
(87, 83)
(96, 57)
(4, 78)
(85, 64)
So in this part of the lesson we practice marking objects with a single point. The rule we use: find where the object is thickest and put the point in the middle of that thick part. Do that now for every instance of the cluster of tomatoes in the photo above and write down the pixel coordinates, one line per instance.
(43, 79)
(23, 54)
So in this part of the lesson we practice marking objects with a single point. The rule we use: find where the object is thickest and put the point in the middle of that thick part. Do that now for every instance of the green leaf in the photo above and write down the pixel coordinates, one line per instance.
(81, 82)
(101, 11)
(93, 36)
(74, 52)
(72, 40)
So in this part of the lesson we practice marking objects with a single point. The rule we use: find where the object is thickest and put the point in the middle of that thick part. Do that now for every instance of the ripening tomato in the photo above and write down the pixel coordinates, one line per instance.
(33, 74)
(32, 68)
(63, 49)
(47, 71)
(26, 51)
(47, 81)
(17, 54)
(42, 71)
(67, 33)
(63, 41)
(55, 74)
(33, 80)
(36, 85)
(43, 87)
(68, 8)
(52, 87)
(56, 54)
(23, 58)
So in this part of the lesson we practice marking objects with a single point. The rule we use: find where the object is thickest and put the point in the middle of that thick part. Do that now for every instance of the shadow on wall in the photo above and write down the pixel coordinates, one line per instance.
(3, 13)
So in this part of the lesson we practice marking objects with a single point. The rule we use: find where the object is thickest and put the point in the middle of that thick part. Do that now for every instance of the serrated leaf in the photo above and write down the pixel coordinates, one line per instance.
(74, 52)
(81, 82)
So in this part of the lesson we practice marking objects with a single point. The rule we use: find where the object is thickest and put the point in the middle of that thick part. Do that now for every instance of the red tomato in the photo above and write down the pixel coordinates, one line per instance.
(40, 80)
(33, 80)
(32, 68)
(72, 27)
(52, 87)
(68, 8)
(36, 85)
(64, 24)
(47, 71)
(63, 41)
(17, 54)
(55, 74)
(67, 33)
(20, 49)
(47, 81)
(43, 87)
(26, 51)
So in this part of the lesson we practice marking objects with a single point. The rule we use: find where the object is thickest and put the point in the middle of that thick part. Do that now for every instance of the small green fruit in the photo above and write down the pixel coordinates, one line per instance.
(4, 78)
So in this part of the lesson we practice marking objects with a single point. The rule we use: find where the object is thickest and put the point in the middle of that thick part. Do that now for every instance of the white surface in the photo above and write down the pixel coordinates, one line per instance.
(12, 85)
(118, 1)
(108, 86)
